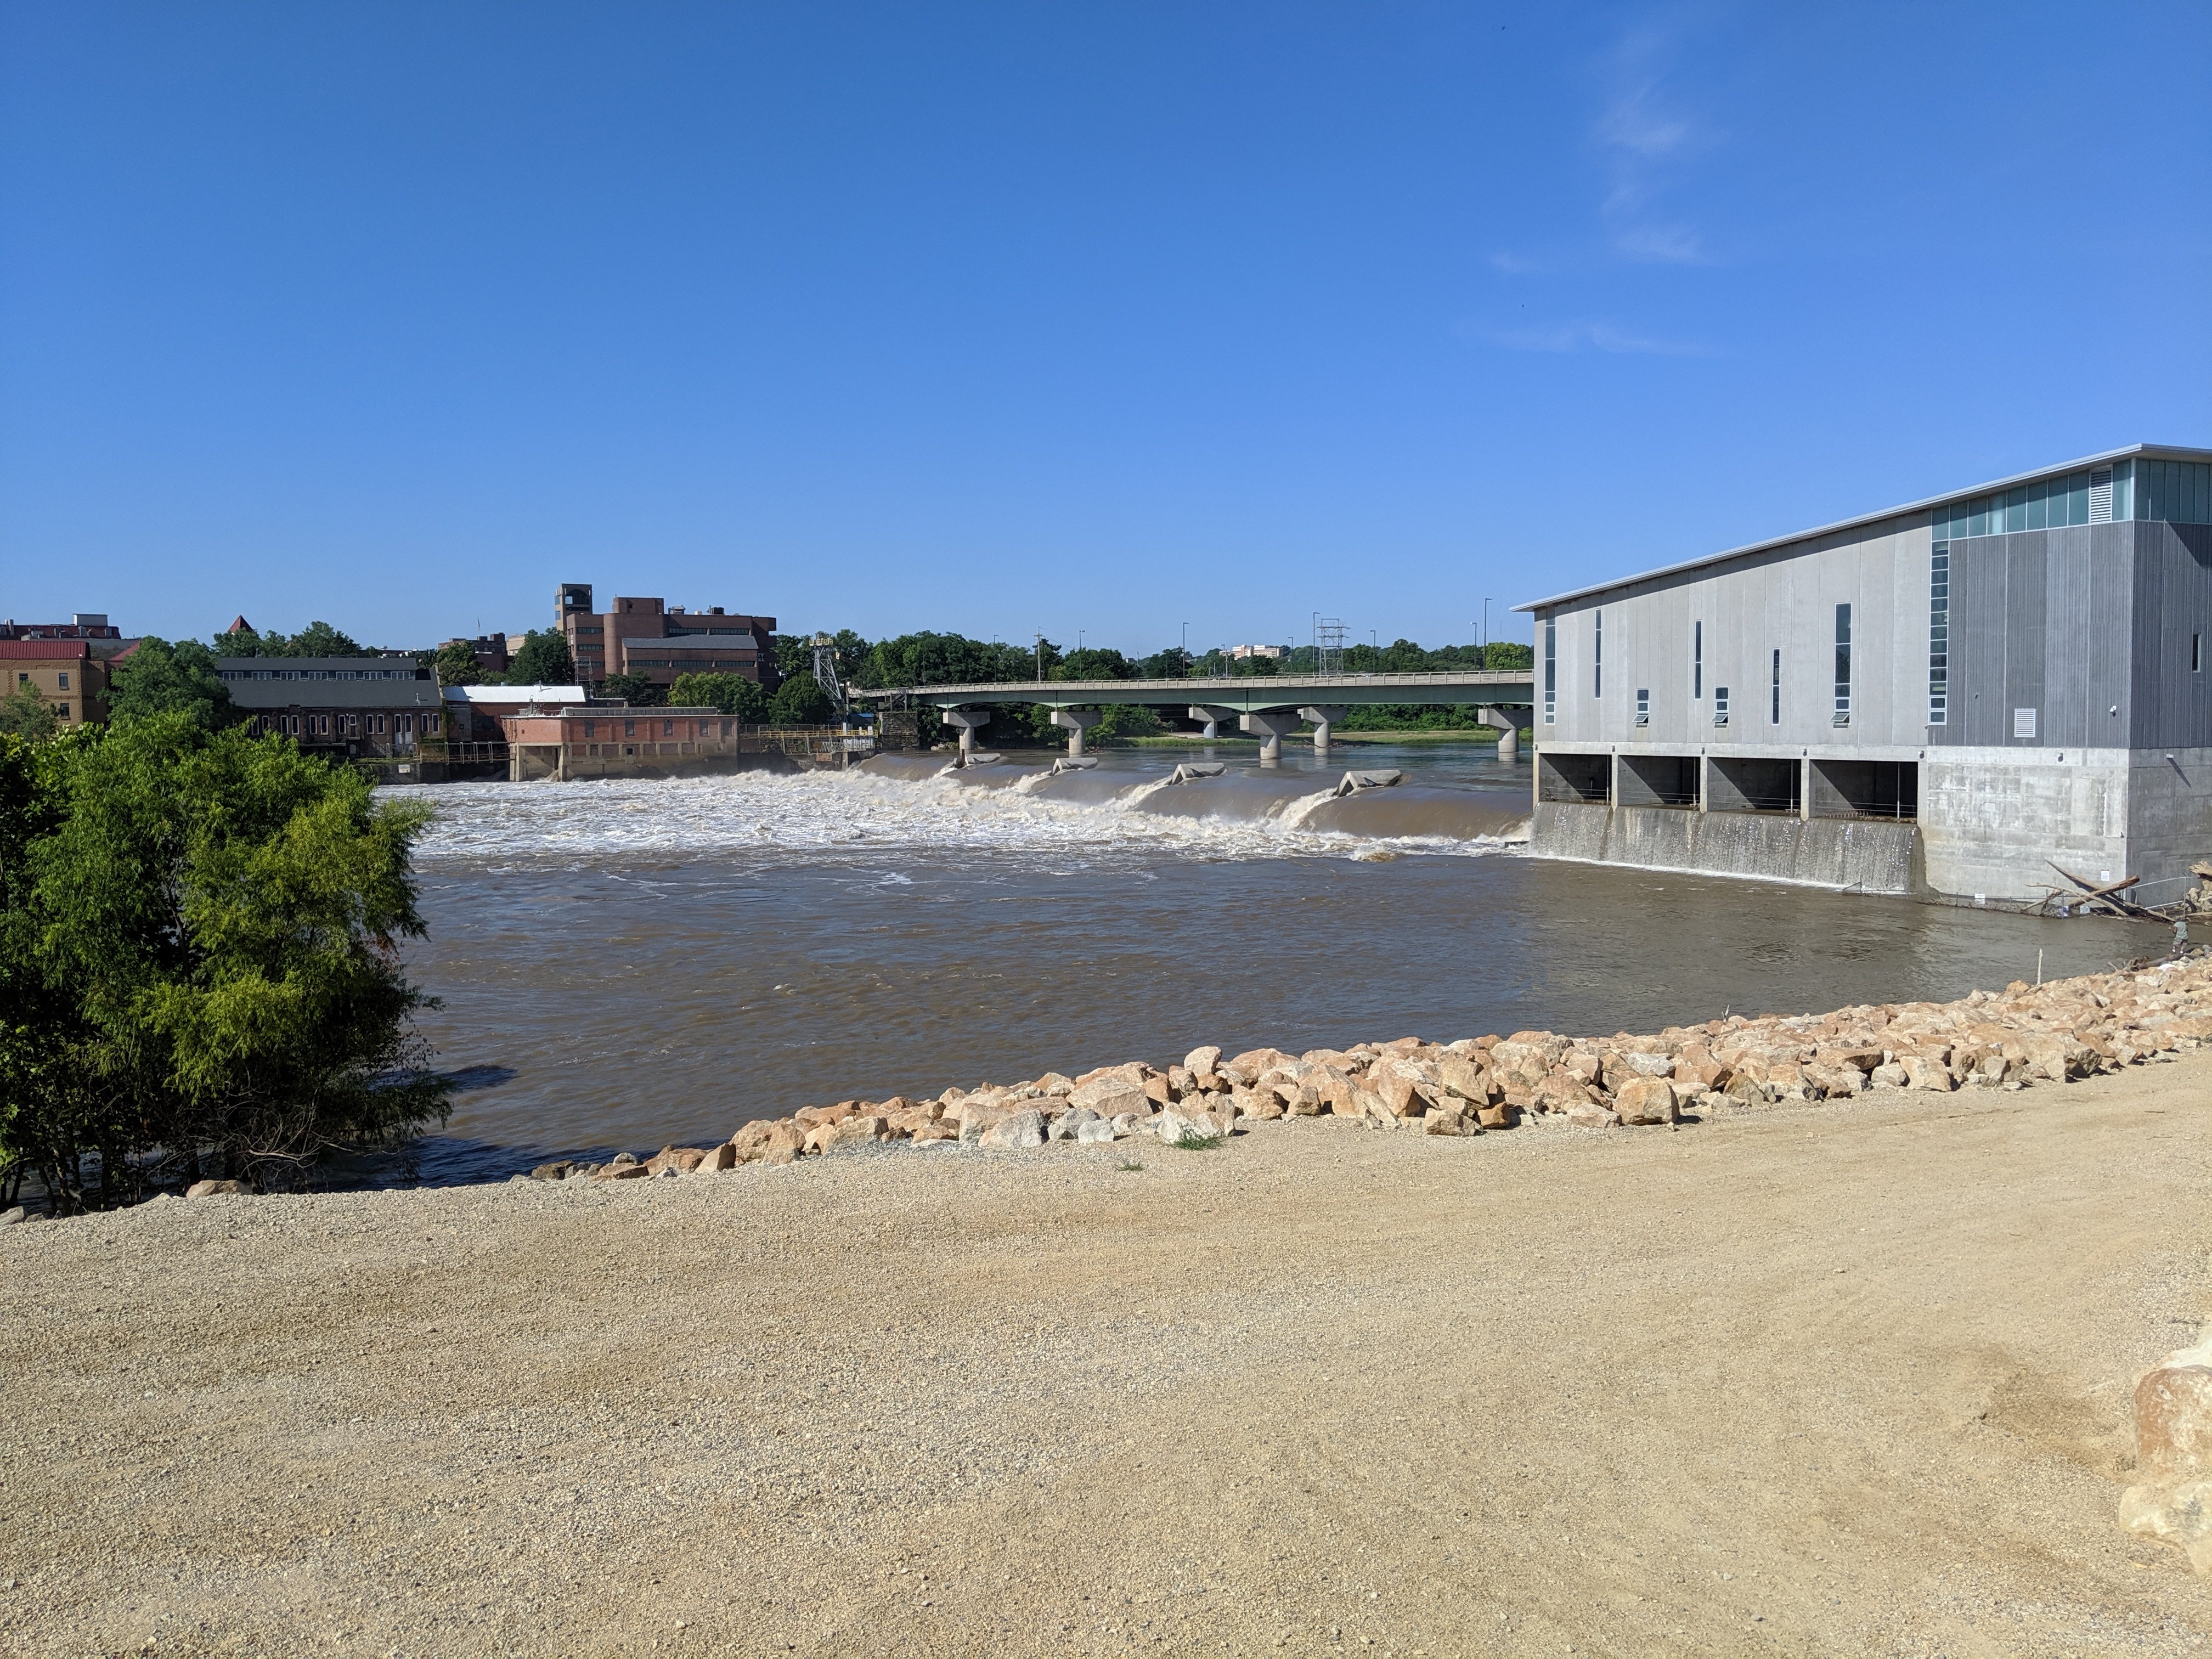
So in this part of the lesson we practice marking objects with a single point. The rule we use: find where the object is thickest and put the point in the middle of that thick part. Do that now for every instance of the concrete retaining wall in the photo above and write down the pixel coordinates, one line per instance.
(1868, 855)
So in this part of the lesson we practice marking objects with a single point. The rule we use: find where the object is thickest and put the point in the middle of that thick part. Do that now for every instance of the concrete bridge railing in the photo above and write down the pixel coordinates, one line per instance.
(1268, 707)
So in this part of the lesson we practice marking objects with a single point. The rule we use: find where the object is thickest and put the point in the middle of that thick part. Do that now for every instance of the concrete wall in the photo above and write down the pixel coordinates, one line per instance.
(1862, 855)
(1991, 820)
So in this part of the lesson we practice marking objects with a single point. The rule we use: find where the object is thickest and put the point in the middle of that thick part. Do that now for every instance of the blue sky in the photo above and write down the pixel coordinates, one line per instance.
(1108, 319)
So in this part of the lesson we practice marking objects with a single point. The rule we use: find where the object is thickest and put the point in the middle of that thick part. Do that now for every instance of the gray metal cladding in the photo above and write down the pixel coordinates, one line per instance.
(2171, 706)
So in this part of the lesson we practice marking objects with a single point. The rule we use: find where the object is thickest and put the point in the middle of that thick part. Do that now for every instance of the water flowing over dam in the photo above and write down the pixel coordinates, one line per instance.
(627, 963)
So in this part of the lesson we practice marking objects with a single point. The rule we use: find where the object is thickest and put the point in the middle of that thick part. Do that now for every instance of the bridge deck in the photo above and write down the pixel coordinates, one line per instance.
(1245, 694)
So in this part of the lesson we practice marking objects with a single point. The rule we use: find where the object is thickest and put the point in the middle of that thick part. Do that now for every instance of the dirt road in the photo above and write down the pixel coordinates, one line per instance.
(1834, 1380)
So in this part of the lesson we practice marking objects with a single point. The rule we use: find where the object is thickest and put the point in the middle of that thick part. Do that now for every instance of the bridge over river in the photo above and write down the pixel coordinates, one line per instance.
(1267, 706)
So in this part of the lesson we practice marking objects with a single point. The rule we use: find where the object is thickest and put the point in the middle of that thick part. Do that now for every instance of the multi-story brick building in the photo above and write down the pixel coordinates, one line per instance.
(363, 705)
(662, 642)
(66, 674)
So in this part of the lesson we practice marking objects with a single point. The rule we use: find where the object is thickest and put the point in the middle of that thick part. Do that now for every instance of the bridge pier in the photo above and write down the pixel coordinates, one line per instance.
(1270, 728)
(1507, 721)
(1076, 721)
(1212, 716)
(969, 720)
(1323, 716)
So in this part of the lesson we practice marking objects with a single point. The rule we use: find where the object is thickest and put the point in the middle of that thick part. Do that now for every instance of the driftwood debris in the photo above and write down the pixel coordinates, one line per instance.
(2107, 896)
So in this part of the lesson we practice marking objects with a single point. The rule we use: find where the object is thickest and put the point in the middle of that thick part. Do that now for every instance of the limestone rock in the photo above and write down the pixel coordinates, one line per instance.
(1109, 1096)
(1018, 1131)
(1200, 1062)
(1177, 1128)
(717, 1159)
(1557, 1092)
(1069, 1122)
(780, 1155)
(221, 1189)
(1887, 1075)
(2172, 1500)
(631, 1171)
(1493, 1117)
(1265, 1104)
(1926, 1070)
(1441, 1122)
(1645, 1100)
(1588, 1114)
(1467, 1078)
(1095, 1130)
(849, 1135)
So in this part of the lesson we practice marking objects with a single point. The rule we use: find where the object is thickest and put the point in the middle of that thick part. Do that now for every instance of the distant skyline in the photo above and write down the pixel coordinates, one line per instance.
(1097, 321)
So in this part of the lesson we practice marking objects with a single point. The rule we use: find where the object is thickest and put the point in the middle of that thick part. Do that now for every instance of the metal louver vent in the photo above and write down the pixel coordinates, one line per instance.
(2100, 495)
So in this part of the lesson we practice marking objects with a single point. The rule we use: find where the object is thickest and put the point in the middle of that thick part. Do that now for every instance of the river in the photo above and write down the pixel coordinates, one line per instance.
(628, 964)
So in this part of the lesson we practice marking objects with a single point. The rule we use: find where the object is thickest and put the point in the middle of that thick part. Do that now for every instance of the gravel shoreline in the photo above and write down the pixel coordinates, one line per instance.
(1837, 1377)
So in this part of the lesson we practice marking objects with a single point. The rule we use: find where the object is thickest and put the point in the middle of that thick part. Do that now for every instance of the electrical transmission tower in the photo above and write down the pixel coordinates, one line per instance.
(1328, 645)
(825, 673)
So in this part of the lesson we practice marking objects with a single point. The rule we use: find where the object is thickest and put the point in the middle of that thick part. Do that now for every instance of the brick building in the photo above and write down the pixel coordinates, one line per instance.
(64, 673)
(662, 642)
(360, 705)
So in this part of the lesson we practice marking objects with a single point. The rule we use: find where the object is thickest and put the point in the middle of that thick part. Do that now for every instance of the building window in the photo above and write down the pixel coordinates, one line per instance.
(629, 728)
(1597, 653)
(64, 682)
(1643, 705)
(1720, 705)
(1774, 708)
(61, 711)
(1939, 634)
(1551, 670)
(1696, 661)
(1843, 664)
(2196, 653)
(591, 728)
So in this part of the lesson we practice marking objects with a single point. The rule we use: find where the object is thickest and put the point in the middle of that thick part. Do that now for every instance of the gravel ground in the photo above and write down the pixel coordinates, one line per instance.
(1836, 1380)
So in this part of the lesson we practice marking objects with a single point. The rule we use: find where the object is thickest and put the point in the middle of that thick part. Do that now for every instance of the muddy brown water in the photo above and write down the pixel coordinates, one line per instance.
(625, 965)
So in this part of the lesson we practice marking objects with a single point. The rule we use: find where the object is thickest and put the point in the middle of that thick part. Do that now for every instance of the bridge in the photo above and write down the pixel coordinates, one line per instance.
(1267, 706)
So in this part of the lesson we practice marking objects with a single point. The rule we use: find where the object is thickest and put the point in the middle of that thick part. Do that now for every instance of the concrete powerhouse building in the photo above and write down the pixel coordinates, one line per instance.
(1951, 694)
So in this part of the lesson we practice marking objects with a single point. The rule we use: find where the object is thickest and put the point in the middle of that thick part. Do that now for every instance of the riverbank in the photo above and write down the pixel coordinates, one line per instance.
(2022, 1037)
(1834, 1377)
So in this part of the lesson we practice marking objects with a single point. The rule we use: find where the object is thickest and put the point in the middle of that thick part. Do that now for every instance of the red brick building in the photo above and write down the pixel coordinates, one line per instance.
(62, 673)
(649, 637)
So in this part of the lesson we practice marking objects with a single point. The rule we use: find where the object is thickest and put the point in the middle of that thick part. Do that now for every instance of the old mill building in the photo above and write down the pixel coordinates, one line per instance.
(1955, 694)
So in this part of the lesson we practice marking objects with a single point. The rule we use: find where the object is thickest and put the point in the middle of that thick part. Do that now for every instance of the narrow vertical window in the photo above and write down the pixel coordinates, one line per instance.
(1551, 670)
(1939, 634)
(1643, 705)
(1774, 707)
(1696, 661)
(1597, 653)
(2196, 653)
(1720, 705)
(1843, 664)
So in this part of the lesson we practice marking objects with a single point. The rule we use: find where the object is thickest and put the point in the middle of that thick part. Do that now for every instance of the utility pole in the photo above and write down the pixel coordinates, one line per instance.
(1040, 645)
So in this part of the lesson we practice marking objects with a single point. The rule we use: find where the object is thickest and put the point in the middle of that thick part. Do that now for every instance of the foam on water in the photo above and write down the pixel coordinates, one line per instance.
(1077, 818)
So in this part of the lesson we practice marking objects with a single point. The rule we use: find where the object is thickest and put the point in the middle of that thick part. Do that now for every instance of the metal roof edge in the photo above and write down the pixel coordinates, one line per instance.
(2171, 452)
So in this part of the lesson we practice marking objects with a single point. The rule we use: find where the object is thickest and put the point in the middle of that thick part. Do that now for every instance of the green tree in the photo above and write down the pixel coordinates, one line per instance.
(635, 688)
(732, 694)
(1096, 662)
(457, 664)
(799, 702)
(319, 639)
(25, 714)
(211, 923)
(160, 678)
(543, 658)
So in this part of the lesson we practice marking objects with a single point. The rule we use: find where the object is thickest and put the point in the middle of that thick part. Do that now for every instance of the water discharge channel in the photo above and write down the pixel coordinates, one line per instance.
(626, 964)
